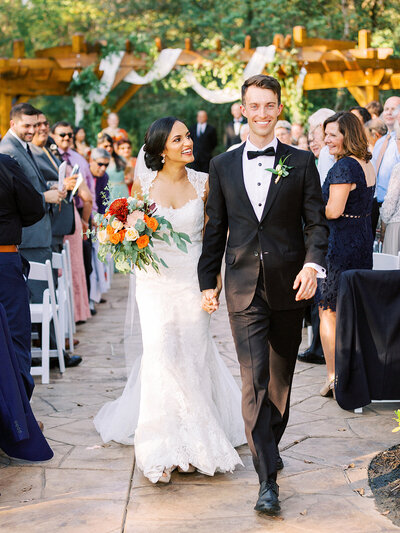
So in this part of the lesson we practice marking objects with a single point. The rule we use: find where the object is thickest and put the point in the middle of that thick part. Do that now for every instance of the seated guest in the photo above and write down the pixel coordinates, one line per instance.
(116, 168)
(390, 214)
(361, 113)
(375, 129)
(124, 150)
(297, 133)
(348, 192)
(283, 131)
(21, 205)
(20, 435)
(375, 109)
(113, 129)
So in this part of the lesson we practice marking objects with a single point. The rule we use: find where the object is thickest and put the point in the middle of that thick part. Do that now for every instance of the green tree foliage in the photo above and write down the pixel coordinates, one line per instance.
(45, 23)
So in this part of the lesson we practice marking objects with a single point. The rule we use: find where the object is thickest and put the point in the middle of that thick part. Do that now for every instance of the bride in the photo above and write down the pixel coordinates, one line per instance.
(181, 408)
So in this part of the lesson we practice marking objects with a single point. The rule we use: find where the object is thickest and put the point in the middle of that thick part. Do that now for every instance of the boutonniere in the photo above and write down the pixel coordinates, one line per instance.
(281, 170)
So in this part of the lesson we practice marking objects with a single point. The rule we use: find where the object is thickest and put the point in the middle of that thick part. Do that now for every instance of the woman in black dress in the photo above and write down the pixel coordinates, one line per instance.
(348, 192)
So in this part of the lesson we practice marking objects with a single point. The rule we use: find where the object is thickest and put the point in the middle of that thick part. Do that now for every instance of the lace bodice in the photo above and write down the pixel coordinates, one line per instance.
(390, 210)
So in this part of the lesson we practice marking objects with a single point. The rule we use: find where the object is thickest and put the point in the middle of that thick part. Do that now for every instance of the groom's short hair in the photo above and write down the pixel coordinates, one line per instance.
(263, 81)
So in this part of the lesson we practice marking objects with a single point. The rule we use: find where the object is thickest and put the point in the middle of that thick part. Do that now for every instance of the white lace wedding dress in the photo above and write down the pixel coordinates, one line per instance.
(187, 407)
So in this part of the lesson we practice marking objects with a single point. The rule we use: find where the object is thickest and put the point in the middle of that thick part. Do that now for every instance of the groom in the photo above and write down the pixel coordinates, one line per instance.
(275, 252)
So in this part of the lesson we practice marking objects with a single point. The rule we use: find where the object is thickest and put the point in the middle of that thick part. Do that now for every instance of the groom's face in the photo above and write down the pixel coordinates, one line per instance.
(262, 110)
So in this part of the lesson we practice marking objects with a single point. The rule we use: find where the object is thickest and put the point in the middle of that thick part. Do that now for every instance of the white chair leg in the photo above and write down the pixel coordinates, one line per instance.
(309, 335)
(359, 410)
(46, 340)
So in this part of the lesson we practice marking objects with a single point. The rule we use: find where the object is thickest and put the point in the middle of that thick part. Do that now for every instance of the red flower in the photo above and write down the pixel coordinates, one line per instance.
(119, 208)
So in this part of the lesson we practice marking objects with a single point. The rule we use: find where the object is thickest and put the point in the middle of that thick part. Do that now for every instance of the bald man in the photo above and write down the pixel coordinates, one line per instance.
(386, 155)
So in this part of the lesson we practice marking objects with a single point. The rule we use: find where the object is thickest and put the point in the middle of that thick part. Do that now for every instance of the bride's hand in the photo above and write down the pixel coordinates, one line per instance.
(209, 300)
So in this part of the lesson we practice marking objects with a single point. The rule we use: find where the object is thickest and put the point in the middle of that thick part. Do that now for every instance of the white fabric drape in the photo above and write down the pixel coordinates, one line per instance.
(109, 65)
(163, 65)
(261, 57)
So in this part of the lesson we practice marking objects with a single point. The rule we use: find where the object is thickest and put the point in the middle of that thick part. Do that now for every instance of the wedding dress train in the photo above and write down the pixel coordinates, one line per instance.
(183, 406)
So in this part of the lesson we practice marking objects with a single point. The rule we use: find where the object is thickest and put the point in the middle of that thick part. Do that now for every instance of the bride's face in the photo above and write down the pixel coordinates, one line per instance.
(179, 145)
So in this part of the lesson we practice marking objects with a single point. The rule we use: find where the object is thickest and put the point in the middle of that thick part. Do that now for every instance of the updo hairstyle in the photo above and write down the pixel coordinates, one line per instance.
(155, 140)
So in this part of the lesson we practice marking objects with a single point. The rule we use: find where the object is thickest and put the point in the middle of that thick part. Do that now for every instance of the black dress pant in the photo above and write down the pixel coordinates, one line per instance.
(267, 343)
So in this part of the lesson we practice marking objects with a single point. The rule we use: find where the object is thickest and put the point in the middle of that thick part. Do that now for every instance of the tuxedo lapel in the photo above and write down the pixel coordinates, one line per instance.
(237, 178)
(281, 151)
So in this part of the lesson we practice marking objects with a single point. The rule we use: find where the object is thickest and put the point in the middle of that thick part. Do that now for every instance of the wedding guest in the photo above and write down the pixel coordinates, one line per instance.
(375, 129)
(233, 129)
(244, 133)
(302, 143)
(62, 219)
(21, 205)
(390, 214)
(297, 133)
(124, 150)
(80, 144)
(98, 162)
(325, 159)
(63, 137)
(316, 141)
(113, 129)
(385, 156)
(361, 113)
(283, 131)
(116, 168)
(375, 109)
(348, 193)
(204, 138)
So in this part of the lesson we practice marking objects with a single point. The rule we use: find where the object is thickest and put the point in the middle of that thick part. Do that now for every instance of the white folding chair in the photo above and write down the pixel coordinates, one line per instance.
(70, 286)
(43, 314)
(385, 261)
(59, 262)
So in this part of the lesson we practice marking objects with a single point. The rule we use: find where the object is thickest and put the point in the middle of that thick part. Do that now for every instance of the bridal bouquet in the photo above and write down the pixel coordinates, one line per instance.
(127, 231)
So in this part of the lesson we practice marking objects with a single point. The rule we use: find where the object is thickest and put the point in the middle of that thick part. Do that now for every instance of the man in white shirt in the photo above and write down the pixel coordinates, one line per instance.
(234, 128)
(267, 195)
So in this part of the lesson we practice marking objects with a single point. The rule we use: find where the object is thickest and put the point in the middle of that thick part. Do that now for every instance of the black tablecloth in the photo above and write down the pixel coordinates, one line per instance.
(368, 337)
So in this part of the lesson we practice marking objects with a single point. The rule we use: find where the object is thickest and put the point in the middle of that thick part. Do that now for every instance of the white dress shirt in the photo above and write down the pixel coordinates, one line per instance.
(257, 180)
(325, 163)
(201, 128)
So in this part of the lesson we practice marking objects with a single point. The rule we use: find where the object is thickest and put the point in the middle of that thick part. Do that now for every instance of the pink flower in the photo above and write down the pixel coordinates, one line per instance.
(133, 218)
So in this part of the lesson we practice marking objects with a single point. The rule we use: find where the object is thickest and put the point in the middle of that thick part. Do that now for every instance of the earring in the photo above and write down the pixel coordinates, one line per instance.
(163, 159)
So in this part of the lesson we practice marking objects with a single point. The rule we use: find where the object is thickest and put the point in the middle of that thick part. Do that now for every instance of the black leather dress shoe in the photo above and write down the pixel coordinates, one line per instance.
(268, 502)
(72, 360)
(310, 357)
(93, 312)
(279, 463)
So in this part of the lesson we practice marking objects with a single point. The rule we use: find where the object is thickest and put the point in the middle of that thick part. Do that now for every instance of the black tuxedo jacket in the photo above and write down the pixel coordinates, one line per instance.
(203, 146)
(230, 137)
(292, 230)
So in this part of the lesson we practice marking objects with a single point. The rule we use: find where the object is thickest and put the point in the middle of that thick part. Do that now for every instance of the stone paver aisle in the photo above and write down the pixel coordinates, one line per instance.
(94, 488)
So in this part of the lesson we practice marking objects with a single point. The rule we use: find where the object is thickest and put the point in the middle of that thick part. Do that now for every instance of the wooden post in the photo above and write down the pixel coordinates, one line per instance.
(18, 49)
(188, 44)
(5, 108)
(364, 39)
(299, 36)
(78, 43)
(158, 44)
(278, 40)
(247, 43)
(218, 44)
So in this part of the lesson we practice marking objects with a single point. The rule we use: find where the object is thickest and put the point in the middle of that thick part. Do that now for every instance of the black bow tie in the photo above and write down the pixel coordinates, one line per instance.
(268, 151)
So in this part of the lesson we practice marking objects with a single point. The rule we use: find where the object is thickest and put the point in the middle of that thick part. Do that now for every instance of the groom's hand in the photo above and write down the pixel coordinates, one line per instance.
(209, 300)
(306, 282)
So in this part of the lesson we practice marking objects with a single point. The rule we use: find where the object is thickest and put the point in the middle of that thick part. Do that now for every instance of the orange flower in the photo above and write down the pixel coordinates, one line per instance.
(114, 238)
(142, 241)
(121, 235)
(110, 230)
(146, 218)
(152, 223)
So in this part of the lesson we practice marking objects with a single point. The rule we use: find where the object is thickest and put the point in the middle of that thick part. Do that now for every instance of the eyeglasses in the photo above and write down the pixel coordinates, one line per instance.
(62, 135)
(105, 165)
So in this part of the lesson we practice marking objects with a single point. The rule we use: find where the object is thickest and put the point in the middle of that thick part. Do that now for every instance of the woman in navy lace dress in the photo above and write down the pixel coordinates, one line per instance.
(348, 192)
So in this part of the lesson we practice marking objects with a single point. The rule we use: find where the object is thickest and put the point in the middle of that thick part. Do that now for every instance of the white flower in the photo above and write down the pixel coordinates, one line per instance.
(130, 199)
(102, 236)
(278, 168)
(117, 224)
(140, 203)
(131, 234)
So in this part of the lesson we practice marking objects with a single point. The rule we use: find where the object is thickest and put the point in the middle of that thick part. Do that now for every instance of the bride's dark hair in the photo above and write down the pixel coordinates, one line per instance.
(155, 139)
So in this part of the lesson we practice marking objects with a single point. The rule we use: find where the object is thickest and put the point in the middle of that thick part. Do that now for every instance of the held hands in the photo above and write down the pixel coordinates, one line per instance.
(209, 300)
(306, 282)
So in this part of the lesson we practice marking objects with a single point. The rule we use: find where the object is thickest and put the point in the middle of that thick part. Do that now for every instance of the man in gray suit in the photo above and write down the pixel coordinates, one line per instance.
(36, 239)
